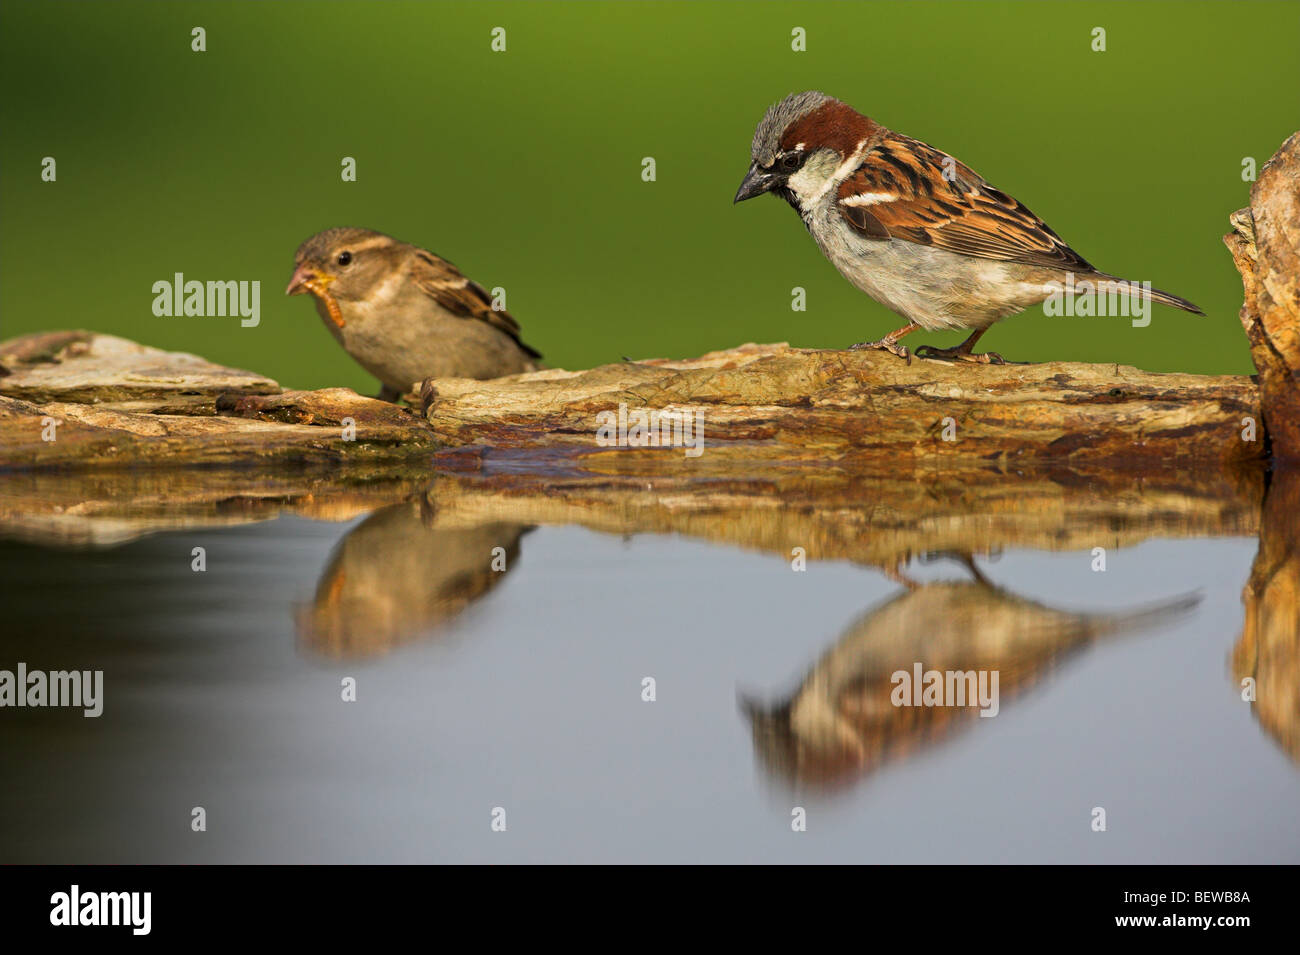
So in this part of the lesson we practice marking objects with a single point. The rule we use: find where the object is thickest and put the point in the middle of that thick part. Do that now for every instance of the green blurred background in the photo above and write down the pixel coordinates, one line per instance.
(524, 167)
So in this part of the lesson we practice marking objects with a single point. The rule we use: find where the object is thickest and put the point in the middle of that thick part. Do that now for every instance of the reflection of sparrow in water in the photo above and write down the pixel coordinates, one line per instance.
(401, 574)
(912, 227)
(404, 313)
(841, 723)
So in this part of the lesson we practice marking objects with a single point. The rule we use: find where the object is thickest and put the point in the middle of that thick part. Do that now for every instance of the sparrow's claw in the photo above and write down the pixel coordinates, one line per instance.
(886, 344)
(956, 354)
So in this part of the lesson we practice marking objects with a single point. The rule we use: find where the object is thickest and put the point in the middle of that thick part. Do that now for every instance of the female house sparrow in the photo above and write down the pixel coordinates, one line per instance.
(405, 314)
(912, 227)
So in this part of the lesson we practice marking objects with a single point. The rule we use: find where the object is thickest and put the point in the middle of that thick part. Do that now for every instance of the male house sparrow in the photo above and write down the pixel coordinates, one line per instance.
(912, 227)
(404, 313)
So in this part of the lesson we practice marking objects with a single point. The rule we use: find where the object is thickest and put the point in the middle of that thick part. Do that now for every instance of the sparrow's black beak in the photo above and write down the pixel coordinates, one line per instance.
(757, 181)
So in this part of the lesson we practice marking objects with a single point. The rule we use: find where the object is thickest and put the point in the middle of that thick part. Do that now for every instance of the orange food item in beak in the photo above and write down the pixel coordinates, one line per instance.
(318, 288)
(307, 279)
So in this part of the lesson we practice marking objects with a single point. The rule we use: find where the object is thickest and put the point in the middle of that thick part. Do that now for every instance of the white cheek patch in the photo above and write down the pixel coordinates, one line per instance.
(805, 185)
(810, 188)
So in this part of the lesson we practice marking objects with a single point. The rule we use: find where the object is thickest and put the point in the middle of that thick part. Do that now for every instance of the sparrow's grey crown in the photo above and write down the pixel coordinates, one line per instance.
(322, 243)
(779, 116)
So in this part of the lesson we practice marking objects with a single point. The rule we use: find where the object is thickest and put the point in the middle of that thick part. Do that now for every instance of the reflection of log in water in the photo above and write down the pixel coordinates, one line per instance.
(400, 574)
(841, 724)
(1269, 649)
(879, 518)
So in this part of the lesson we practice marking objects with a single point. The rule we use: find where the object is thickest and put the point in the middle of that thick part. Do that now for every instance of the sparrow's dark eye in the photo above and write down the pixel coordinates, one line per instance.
(791, 162)
(345, 258)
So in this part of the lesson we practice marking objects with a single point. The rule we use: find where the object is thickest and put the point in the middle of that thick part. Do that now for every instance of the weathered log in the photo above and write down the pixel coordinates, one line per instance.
(90, 401)
(87, 367)
(114, 403)
(782, 406)
(1265, 245)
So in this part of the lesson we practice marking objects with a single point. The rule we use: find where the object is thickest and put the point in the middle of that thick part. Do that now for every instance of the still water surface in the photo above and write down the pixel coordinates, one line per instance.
(523, 690)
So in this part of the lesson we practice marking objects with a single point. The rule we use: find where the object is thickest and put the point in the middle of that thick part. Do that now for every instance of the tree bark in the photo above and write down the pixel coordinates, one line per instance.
(1265, 245)
(778, 406)
(108, 403)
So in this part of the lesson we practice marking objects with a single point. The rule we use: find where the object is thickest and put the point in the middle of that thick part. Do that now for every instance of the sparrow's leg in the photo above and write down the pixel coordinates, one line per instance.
(388, 394)
(965, 558)
(890, 342)
(895, 573)
(428, 511)
(975, 572)
(962, 352)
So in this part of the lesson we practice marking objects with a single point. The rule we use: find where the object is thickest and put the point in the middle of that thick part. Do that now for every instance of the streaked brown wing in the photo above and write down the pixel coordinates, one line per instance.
(447, 286)
(961, 214)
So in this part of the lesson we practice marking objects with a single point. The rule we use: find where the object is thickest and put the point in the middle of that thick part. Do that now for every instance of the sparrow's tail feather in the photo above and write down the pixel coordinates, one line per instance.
(1142, 618)
(1111, 283)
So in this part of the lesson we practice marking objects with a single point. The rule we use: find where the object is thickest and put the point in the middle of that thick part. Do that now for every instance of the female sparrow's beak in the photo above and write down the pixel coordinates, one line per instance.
(302, 277)
(308, 278)
(756, 182)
